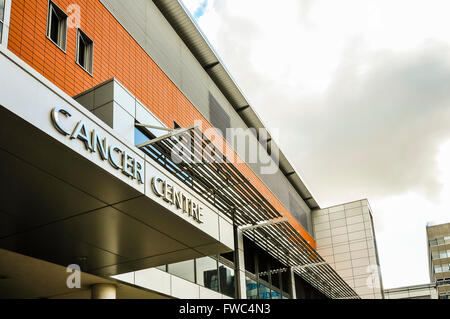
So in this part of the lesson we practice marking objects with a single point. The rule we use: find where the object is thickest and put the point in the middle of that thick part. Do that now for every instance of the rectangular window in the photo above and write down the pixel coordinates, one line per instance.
(435, 254)
(2, 10)
(252, 288)
(2, 17)
(184, 269)
(207, 274)
(163, 268)
(275, 295)
(227, 280)
(437, 269)
(85, 51)
(57, 26)
(264, 292)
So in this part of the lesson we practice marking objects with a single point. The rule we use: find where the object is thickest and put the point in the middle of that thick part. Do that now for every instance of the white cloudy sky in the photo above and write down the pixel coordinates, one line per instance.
(360, 90)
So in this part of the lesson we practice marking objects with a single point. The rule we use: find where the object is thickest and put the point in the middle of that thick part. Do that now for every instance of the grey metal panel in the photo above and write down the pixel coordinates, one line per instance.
(297, 211)
(218, 117)
(194, 84)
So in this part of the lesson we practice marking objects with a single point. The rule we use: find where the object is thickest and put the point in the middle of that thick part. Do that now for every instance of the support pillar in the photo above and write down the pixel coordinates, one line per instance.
(239, 262)
(103, 291)
(291, 281)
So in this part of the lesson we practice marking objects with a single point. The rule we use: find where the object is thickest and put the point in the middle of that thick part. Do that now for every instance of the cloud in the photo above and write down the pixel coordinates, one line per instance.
(400, 227)
(378, 126)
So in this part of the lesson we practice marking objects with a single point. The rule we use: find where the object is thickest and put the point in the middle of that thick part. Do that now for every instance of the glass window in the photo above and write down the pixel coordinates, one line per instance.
(275, 279)
(227, 280)
(184, 269)
(2, 16)
(276, 295)
(437, 269)
(285, 276)
(252, 288)
(433, 242)
(249, 255)
(264, 292)
(447, 239)
(228, 256)
(207, 274)
(2, 10)
(85, 51)
(445, 267)
(440, 241)
(435, 254)
(142, 135)
(264, 276)
(442, 254)
(57, 26)
(163, 267)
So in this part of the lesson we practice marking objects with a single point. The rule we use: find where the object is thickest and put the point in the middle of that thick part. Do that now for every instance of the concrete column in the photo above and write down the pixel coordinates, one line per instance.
(291, 281)
(240, 264)
(103, 291)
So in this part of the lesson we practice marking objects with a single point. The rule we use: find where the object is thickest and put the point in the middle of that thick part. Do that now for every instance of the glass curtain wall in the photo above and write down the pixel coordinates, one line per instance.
(215, 273)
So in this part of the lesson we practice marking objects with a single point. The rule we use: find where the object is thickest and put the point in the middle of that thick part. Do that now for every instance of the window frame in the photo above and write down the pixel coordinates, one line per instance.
(2, 16)
(2, 20)
(53, 6)
(80, 34)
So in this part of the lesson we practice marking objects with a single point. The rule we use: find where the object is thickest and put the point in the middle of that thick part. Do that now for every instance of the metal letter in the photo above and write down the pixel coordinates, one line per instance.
(155, 189)
(137, 170)
(168, 192)
(178, 201)
(113, 162)
(55, 119)
(101, 146)
(127, 165)
(80, 133)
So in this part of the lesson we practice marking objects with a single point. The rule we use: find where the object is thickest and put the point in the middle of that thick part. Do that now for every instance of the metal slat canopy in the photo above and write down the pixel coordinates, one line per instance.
(196, 162)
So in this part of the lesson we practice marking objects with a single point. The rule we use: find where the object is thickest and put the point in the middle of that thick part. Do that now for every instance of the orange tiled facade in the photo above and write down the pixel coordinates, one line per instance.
(116, 54)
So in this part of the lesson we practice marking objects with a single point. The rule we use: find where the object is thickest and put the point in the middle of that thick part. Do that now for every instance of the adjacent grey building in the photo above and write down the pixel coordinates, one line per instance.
(438, 237)
(345, 237)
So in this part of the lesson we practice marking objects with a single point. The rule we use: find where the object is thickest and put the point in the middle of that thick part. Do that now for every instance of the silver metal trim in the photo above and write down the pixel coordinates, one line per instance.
(268, 223)
(310, 265)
